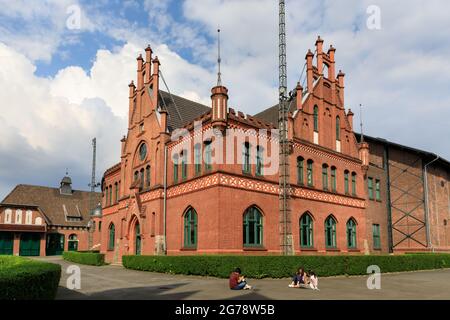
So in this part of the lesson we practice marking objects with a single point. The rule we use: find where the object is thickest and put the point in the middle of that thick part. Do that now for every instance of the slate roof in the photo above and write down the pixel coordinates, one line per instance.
(270, 115)
(182, 112)
(54, 205)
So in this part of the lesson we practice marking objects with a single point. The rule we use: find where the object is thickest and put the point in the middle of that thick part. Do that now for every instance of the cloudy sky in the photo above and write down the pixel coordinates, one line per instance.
(65, 80)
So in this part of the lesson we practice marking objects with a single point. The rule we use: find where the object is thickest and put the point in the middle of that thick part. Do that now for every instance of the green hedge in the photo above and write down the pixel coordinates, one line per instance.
(280, 266)
(26, 279)
(89, 258)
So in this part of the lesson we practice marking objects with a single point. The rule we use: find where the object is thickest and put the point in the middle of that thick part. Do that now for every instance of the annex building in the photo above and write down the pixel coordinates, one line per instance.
(194, 179)
(43, 221)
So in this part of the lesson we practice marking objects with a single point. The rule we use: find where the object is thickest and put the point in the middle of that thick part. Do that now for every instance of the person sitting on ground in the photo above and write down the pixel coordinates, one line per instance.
(306, 279)
(298, 278)
(237, 281)
(313, 281)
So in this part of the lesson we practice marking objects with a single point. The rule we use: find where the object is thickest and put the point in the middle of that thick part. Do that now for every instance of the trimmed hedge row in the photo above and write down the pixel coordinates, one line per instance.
(281, 266)
(89, 258)
(26, 279)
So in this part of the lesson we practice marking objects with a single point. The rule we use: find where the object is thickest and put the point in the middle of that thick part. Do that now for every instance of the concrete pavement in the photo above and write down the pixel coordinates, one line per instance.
(115, 282)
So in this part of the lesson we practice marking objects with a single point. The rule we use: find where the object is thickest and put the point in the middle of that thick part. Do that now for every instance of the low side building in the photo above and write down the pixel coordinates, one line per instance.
(40, 221)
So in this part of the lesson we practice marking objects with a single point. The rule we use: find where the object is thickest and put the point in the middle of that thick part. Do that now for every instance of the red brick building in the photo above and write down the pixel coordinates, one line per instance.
(40, 221)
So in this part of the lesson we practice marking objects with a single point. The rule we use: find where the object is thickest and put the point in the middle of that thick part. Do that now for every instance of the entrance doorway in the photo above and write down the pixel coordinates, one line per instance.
(72, 244)
(55, 244)
(30, 244)
(6, 243)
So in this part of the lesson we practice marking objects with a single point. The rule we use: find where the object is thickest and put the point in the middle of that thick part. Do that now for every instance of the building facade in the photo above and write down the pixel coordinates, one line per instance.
(42, 221)
(197, 179)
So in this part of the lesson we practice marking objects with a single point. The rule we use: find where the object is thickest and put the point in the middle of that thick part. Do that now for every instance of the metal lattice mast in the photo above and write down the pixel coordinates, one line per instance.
(285, 214)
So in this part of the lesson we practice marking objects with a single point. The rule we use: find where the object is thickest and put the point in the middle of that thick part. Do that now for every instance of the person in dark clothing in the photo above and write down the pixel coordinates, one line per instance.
(237, 281)
(298, 279)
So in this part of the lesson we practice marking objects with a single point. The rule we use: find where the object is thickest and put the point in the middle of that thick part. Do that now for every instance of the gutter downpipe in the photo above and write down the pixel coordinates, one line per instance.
(165, 199)
(427, 213)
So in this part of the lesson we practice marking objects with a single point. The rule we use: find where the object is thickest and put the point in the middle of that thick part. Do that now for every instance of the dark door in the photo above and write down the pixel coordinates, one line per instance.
(6, 243)
(72, 245)
(30, 244)
(55, 244)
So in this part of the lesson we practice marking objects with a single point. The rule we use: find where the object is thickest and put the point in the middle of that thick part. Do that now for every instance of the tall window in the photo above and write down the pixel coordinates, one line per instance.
(376, 236)
(353, 183)
(300, 165)
(136, 175)
(259, 161)
(110, 195)
(338, 128)
(351, 234)
(198, 159)
(112, 237)
(184, 165)
(190, 229)
(175, 169)
(147, 177)
(309, 173)
(325, 176)
(208, 156)
(106, 196)
(306, 231)
(330, 232)
(253, 228)
(141, 185)
(346, 182)
(316, 118)
(370, 187)
(246, 158)
(377, 190)
(333, 179)
(116, 189)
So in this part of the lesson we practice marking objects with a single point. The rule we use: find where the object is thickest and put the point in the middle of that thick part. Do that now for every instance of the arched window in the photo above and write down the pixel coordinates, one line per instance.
(259, 161)
(198, 158)
(246, 158)
(330, 232)
(112, 237)
(354, 183)
(309, 173)
(116, 189)
(175, 169)
(208, 156)
(141, 184)
(136, 175)
(316, 118)
(351, 233)
(18, 216)
(72, 244)
(29, 217)
(190, 229)
(346, 181)
(306, 231)
(300, 169)
(106, 196)
(338, 128)
(147, 177)
(184, 165)
(253, 227)
(8, 215)
(333, 179)
(110, 195)
(325, 176)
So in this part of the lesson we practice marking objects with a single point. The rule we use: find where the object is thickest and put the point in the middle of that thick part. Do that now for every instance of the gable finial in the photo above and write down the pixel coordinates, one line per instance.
(219, 60)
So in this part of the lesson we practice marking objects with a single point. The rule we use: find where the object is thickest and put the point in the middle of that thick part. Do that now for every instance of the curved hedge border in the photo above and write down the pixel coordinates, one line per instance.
(86, 257)
(281, 267)
(26, 279)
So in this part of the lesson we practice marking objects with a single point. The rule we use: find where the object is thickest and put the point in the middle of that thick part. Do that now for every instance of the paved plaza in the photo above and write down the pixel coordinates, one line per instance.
(116, 282)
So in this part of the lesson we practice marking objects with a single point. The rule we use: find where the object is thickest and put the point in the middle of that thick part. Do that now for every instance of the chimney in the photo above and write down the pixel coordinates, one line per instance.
(309, 70)
(340, 78)
(148, 61)
(350, 118)
(299, 90)
(140, 78)
(319, 48)
(219, 101)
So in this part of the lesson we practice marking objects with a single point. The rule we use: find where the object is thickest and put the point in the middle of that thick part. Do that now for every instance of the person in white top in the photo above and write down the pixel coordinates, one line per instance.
(313, 281)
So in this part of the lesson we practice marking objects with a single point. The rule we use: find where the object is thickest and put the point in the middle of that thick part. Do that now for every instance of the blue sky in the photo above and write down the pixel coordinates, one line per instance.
(66, 86)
